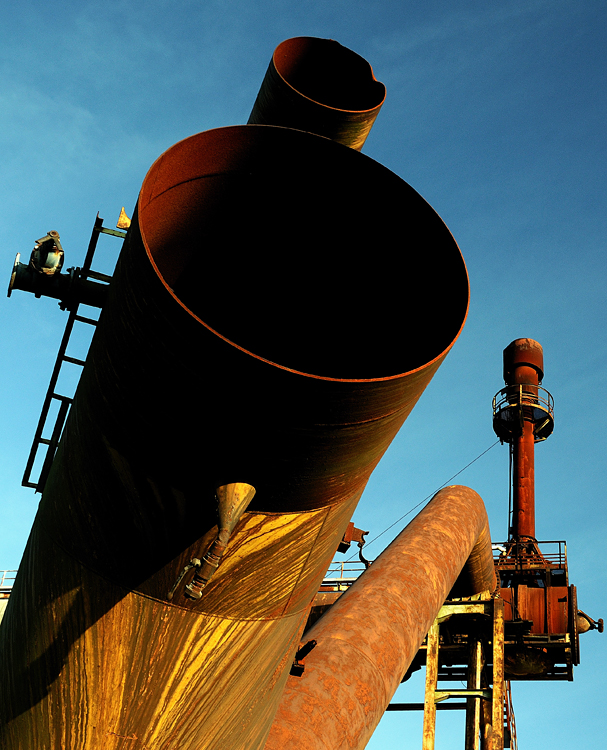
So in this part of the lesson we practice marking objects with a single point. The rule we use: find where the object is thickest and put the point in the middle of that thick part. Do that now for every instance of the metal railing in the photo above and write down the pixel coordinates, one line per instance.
(343, 573)
(523, 402)
(510, 723)
(553, 552)
(7, 578)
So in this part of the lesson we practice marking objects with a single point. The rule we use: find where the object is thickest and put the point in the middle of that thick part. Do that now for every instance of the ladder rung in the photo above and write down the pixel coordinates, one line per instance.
(82, 319)
(59, 397)
(73, 360)
(98, 276)
(113, 232)
(459, 706)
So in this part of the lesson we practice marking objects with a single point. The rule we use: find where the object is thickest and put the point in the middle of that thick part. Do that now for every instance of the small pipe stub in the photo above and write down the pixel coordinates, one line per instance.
(298, 666)
(232, 501)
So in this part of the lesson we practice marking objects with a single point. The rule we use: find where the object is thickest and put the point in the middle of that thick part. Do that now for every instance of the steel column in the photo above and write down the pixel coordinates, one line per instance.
(429, 733)
(473, 708)
(498, 675)
(523, 482)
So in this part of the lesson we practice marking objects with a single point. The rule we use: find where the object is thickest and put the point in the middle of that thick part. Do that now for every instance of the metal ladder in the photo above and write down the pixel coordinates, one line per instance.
(65, 402)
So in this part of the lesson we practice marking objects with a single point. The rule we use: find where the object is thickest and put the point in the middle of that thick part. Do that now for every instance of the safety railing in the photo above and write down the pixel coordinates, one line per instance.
(516, 404)
(511, 554)
(7, 578)
(342, 574)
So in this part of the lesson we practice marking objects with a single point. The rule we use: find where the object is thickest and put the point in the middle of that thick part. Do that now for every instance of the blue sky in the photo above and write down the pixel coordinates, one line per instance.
(495, 113)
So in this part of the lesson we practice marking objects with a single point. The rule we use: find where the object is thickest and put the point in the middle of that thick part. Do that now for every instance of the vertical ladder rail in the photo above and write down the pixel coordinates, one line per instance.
(50, 395)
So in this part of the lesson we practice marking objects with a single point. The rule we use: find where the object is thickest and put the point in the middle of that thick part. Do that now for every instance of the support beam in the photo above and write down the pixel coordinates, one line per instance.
(498, 674)
(473, 710)
(431, 682)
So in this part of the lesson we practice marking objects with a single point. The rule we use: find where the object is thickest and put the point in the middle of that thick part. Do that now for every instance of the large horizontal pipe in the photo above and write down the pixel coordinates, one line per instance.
(322, 87)
(368, 638)
(243, 342)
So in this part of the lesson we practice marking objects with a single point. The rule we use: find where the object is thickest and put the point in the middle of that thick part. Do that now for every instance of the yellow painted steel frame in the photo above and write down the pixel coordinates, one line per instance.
(482, 723)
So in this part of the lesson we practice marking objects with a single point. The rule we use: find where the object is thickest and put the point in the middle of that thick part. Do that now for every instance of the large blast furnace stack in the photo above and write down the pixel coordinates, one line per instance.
(246, 376)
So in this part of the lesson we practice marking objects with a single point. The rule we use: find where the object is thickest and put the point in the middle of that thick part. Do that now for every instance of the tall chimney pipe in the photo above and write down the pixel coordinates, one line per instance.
(522, 416)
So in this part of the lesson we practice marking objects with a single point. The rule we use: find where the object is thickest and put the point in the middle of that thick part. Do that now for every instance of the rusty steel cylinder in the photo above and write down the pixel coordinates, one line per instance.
(366, 641)
(258, 331)
(524, 365)
(322, 87)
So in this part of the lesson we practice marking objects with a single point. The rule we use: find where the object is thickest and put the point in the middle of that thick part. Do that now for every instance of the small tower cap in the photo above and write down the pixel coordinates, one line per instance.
(523, 352)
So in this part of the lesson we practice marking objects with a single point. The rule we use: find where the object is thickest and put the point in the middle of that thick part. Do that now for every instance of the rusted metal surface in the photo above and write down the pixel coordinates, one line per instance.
(95, 665)
(524, 365)
(523, 484)
(534, 587)
(473, 708)
(78, 646)
(429, 730)
(497, 707)
(322, 87)
(478, 574)
(523, 353)
(215, 365)
(368, 638)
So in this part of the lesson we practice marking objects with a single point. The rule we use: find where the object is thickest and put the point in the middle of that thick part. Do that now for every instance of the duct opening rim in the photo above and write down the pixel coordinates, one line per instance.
(292, 248)
(328, 73)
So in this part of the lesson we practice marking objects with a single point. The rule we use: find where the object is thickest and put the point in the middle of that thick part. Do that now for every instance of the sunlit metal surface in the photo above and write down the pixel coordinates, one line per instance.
(367, 639)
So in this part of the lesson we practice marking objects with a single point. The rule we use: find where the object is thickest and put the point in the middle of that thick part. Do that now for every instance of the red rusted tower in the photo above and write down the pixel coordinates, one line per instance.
(523, 414)
(542, 618)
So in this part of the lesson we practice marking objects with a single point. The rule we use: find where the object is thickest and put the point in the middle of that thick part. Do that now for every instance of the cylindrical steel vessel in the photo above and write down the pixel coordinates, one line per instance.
(244, 340)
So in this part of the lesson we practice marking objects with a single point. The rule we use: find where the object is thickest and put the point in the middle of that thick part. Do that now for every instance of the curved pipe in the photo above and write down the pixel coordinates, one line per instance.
(478, 574)
(322, 87)
(368, 638)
